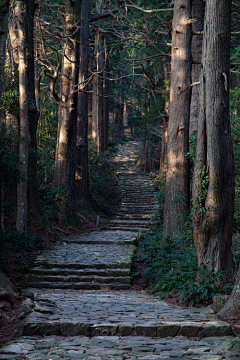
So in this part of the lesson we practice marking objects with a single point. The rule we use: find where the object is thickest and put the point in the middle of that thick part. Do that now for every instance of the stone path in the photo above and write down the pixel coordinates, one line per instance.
(78, 314)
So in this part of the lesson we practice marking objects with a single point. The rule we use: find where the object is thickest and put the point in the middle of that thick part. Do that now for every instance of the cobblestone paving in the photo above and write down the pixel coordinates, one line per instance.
(120, 348)
(64, 323)
(87, 255)
(118, 313)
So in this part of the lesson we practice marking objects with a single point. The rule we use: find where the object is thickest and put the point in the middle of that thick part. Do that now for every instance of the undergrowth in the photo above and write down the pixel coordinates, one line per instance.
(170, 265)
(170, 268)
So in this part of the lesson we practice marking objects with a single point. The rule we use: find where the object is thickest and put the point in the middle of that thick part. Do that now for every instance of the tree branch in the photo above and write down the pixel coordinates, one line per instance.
(148, 11)
(103, 15)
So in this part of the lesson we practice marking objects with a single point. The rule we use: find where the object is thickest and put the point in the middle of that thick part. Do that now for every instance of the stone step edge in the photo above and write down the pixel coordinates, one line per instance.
(133, 229)
(64, 278)
(104, 242)
(123, 265)
(85, 272)
(78, 285)
(65, 327)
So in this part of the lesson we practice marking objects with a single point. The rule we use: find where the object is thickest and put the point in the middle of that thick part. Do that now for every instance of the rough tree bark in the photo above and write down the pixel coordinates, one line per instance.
(34, 113)
(65, 163)
(21, 221)
(97, 102)
(4, 11)
(106, 98)
(82, 172)
(232, 305)
(177, 179)
(198, 7)
(213, 181)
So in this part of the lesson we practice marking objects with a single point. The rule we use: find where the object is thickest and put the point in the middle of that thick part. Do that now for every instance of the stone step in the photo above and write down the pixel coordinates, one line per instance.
(119, 347)
(81, 272)
(79, 279)
(124, 313)
(136, 211)
(137, 189)
(78, 285)
(138, 198)
(136, 204)
(107, 241)
(128, 228)
(139, 195)
(131, 222)
(128, 216)
(75, 265)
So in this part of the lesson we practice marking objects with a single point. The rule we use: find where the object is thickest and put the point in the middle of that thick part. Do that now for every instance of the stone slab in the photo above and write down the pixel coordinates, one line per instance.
(113, 347)
(121, 312)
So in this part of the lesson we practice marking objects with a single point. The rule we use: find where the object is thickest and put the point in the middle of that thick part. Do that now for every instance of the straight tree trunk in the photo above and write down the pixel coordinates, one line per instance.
(198, 7)
(4, 11)
(35, 208)
(97, 102)
(163, 145)
(163, 155)
(106, 98)
(82, 171)
(100, 69)
(213, 182)
(21, 221)
(177, 179)
(119, 109)
(125, 118)
(65, 163)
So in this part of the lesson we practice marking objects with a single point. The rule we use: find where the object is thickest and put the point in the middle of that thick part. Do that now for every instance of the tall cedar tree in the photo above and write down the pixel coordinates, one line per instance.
(213, 181)
(67, 123)
(177, 178)
(22, 212)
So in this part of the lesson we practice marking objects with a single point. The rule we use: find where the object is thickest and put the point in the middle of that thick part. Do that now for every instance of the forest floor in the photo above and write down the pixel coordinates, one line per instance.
(100, 313)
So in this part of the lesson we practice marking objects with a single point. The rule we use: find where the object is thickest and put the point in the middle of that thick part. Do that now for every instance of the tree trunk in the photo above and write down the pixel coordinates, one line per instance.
(97, 102)
(232, 305)
(66, 142)
(4, 11)
(119, 109)
(106, 99)
(163, 146)
(198, 7)
(125, 118)
(177, 179)
(34, 112)
(82, 172)
(213, 181)
(21, 221)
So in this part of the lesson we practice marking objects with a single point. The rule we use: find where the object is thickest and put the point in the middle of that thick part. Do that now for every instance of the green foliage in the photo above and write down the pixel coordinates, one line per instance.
(103, 189)
(235, 126)
(192, 148)
(24, 240)
(199, 206)
(9, 170)
(205, 287)
(171, 267)
(160, 198)
(4, 5)
(10, 96)
(50, 195)
(169, 262)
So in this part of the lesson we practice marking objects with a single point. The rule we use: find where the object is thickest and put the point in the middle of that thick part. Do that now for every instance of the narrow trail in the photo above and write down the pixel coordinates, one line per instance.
(84, 307)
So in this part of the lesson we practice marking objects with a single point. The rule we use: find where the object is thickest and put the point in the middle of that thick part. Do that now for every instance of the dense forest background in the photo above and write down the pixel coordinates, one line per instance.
(77, 78)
